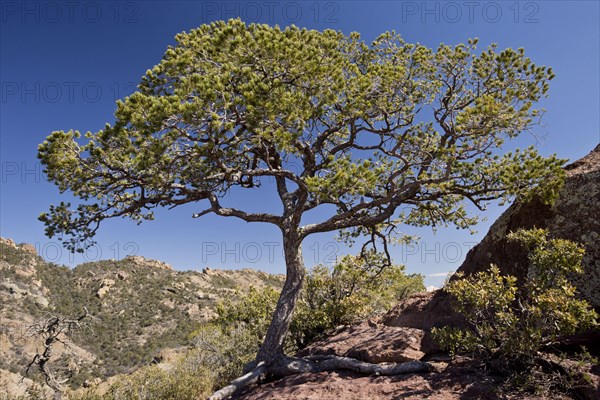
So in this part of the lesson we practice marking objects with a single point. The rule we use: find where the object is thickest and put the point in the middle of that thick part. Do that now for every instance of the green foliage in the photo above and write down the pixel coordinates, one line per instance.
(353, 289)
(347, 123)
(253, 309)
(224, 350)
(187, 380)
(152, 383)
(510, 324)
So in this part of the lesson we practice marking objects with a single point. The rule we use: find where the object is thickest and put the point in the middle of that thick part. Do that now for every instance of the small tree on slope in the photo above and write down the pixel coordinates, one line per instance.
(385, 133)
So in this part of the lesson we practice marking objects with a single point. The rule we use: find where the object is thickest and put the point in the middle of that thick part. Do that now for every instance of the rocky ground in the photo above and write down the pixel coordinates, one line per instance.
(387, 339)
(459, 380)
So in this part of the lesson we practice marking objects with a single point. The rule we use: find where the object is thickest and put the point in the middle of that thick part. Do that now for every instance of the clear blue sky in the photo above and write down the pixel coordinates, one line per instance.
(63, 64)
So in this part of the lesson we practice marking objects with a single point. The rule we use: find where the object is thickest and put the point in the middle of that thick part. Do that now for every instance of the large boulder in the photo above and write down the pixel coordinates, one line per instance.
(424, 311)
(371, 342)
(574, 216)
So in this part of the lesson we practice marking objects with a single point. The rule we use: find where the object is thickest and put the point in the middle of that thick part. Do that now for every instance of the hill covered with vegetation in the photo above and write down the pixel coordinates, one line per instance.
(137, 308)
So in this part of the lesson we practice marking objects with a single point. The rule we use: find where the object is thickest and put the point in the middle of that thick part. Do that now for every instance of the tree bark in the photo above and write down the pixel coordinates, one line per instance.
(272, 347)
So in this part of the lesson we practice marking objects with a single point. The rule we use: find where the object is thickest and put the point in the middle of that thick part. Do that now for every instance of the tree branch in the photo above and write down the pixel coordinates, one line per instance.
(233, 212)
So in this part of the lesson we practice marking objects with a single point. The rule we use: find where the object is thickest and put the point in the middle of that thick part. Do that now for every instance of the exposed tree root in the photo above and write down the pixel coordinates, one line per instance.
(239, 383)
(286, 366)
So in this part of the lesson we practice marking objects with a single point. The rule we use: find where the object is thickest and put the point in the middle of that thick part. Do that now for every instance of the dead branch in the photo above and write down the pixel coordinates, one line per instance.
(52, 331)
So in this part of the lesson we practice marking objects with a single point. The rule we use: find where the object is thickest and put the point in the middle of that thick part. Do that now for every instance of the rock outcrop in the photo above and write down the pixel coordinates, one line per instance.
(26, 247)
(372, 342)
(105, 286)
(574, 216)
(423, 311)
(148, 262)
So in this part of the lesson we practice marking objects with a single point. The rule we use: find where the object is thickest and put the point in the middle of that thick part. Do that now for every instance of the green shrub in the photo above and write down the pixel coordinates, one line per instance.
(187, 380)
(509, 325)
(253, 309)
(224, 350)
(353, 289)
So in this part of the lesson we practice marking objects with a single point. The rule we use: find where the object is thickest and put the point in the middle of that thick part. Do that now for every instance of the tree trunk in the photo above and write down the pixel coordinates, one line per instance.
(271, 359)
(272, 347)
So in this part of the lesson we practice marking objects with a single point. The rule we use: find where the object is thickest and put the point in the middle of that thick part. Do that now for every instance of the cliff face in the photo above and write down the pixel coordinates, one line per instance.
(574, 216)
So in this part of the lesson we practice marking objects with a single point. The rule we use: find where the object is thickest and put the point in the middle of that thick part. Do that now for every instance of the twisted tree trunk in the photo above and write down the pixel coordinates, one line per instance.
(271, 358)
(272, 347)
(285, 366)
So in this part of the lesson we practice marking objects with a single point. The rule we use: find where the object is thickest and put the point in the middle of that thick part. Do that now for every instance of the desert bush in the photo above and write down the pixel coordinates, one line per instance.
(510, 323)
(253, 309)
(224, 350)
(229, 342)
(187, 380)
(354, 288)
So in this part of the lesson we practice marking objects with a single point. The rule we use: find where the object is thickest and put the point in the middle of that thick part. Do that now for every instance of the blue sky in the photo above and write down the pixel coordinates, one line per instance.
(63, 64)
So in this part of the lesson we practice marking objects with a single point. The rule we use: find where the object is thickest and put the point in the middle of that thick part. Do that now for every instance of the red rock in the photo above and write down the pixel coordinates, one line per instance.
(374, 343)
(574, 216)
(460, 380)
(423, 311)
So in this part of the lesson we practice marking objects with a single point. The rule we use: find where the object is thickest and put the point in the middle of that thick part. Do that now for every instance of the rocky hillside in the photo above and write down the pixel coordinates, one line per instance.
(138, 307)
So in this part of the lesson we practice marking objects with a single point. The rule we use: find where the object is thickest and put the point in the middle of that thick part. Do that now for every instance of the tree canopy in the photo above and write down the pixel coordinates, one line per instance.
(386, 132)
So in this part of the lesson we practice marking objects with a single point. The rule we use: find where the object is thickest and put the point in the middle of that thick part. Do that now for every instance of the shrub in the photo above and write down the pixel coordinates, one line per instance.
(254, 310)
(508, 324)
(355, 288)
(224, 350)
(187, 380)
